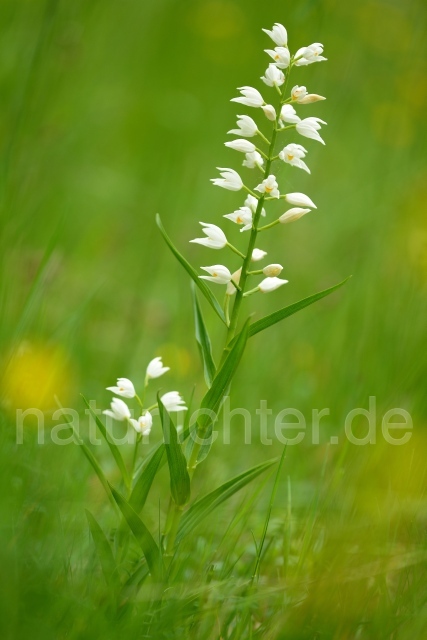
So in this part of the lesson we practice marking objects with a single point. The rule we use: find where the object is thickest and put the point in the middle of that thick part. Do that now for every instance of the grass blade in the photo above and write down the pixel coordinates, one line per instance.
(203, 507)
(277, 316)
(146, 541)
(113, 448)
(192, 273)
(105, 554)
(91, 458)
(179, 478)
(203, 340)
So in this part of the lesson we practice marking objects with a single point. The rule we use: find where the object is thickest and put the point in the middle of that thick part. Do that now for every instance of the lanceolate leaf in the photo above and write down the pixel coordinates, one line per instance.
(105, 554)
(113, 448)
(203, 507)
(277, 316)
(179, 478)
(203, 340)
(143, 484)
(146, 541)
(192, 273)
(212, 399)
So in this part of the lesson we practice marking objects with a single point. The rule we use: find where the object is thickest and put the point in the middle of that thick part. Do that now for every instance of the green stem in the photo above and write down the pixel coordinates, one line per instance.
(268, 226)
(239, 253)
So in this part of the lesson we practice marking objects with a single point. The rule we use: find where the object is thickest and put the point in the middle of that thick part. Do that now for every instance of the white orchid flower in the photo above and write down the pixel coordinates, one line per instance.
(310, 54)
(253, 159)
(244, 146)
(124, 388)
(143, 424)
(240, 216)
(173, 402)
(230, 180)
(281, 56)
(292, 154)
(250, 97)
(273, 77)
(298, 93)
(156, 369)
(309, 128)
(119, 410)
(218, 274)
(269, 186)
(278, 34)
(269, 112)
(288, 114)
(215, 237)
(247, 127)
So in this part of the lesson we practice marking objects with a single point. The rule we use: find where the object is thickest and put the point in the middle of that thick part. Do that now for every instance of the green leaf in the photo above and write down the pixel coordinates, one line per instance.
(89, 455)
(146, 541)
(145, 480)
(105, 554)
(213, 397)
(203, 340)
(179, 478)
(192, 273)
(113, 447)
(277, 316)
(203, 507)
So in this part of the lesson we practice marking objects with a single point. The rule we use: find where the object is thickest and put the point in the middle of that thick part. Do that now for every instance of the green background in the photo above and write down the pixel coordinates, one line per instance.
(115, 111)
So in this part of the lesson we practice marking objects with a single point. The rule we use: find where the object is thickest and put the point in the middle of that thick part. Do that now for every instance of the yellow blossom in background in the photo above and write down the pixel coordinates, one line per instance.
(34, 374)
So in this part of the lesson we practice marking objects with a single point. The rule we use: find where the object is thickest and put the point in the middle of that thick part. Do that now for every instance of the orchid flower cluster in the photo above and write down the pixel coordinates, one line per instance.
(120, 411)
(285, 119)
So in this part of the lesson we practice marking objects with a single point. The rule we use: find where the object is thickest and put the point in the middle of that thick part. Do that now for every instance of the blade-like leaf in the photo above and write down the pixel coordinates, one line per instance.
(179, 478)
(146, 541)
(105, 554)
(143, 484)
(224, 376)
(203, 340)
(203, 507)
(192, 273)
(277, 316)
(113, 447)
(89, 455)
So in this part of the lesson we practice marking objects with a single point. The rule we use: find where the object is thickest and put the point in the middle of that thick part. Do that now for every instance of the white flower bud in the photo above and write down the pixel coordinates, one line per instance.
(293, 214)
(288, 114)
(300, 200)
(241, 145)
(272, 270)
(311, 97)
(269, 111)
(270, 284)
(258, 254)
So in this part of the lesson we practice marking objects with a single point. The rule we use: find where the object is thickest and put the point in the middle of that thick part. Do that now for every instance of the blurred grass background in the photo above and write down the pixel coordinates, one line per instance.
(114, 111)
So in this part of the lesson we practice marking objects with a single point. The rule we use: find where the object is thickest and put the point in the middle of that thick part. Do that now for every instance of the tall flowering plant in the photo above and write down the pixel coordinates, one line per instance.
(269, 141)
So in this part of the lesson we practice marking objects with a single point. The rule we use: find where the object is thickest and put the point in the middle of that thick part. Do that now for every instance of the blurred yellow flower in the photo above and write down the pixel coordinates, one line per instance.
(34, 374)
